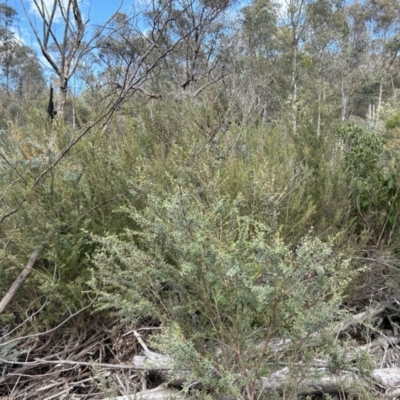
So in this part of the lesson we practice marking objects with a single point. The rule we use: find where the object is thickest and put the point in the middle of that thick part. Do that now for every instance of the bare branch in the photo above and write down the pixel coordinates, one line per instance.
(69, 48)
(21, 278)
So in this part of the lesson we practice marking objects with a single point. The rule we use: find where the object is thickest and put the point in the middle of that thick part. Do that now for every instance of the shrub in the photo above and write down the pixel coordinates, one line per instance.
(372, 183)
(393, 121)
(221, 282)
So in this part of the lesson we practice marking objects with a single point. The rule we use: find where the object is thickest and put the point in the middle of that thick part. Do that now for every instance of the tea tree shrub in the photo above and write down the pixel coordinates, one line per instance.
(221, 282)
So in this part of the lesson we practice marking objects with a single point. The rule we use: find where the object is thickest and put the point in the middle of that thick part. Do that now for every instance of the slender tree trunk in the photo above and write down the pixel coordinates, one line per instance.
(294, 86)
(380, 98)
(344, 101)
(62, 96)
(319, 115)
(73, 113)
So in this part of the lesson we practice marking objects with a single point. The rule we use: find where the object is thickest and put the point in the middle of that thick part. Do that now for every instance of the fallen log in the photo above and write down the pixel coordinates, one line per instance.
(278, 344)
(310, 379)
(321, 380)
(158, 364)
(389, 378)
(161, 392)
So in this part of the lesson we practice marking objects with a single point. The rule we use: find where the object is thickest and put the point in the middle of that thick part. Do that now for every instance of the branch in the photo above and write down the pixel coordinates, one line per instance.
(8, 215)
(92, 209)
(21, 278)
(207, 84)
(161, 392)
(46, 31)
(46, 332)
(42, 361)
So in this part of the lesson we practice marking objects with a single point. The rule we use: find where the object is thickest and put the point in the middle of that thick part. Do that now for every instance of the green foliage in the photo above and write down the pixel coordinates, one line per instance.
(393, 121)
(220, 280)
(169, 142)
(104, 382)
(372, 180)
(53, 205)
(194, 204)
(324, 203)
(363, 149)
(228, 236)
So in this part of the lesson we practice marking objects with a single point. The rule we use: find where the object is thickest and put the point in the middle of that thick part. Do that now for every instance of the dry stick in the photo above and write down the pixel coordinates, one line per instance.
(58, 394)
(46, 332)
(8, 214)
(42, 361)
(25, 368)
(372, 312)
(21, 278)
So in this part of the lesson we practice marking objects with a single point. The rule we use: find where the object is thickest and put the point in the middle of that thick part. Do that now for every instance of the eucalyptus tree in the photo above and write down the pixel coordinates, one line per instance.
(170, 45)
(26, 74)
(7, 40)
(363, 65)
(309, 26)
(289, 45)
(327, 25)
(201, 57)
(260, 83)
(383, 17)
(22, 75)
(63, 52)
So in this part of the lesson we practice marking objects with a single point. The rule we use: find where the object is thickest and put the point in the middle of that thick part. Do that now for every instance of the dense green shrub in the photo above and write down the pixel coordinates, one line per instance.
(393, 121)
(189, 142)
(221, 281)
(226, 235)
(54, 204)
(373, 187)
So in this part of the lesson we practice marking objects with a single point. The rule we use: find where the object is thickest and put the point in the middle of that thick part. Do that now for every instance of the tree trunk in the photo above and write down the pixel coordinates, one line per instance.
(62, 96)
(294, 87)
(344, 100)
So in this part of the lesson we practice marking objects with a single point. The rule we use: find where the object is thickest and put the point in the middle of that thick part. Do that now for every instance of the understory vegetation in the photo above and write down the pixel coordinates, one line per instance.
(239, 230)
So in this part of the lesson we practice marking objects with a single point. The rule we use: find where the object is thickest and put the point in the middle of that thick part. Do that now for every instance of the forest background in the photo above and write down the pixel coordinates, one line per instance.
(218, 177)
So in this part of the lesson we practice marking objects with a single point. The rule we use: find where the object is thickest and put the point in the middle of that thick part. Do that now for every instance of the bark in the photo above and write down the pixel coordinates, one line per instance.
(313, 378)
(62, 96)
(159, 364)
(309, 380)
(159, 393)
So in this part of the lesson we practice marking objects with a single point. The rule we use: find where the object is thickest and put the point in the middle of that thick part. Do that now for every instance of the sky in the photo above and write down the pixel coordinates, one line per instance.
(98, 10)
